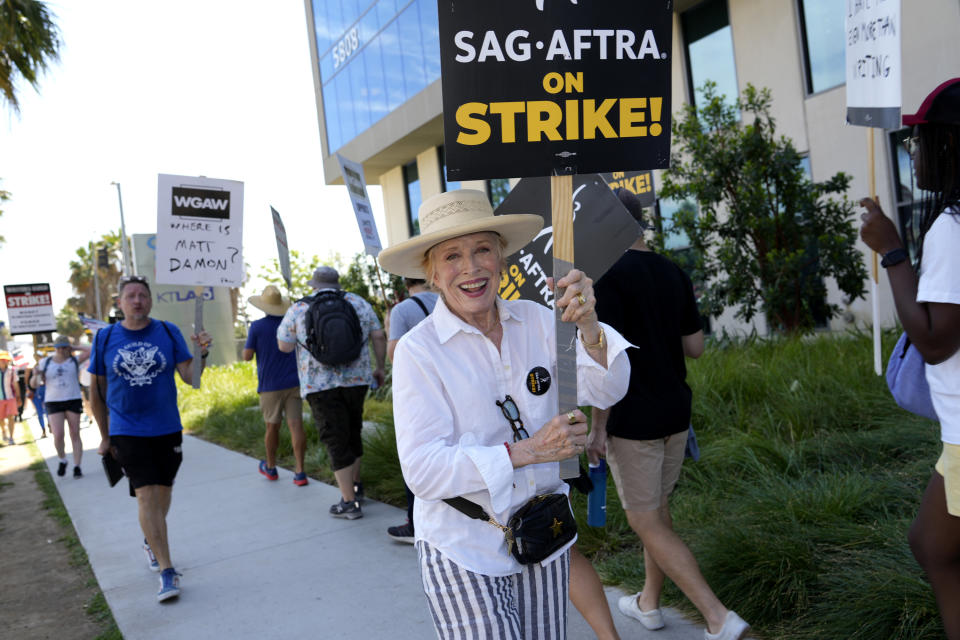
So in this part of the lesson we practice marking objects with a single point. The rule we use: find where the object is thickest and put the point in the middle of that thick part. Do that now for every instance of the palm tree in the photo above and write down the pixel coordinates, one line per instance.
(4, 195)
(29, 41)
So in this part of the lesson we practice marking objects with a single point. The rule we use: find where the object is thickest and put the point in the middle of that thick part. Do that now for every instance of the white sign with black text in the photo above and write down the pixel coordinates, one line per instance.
(29, 308)
(199, 231)
(357, 188)
(873, 63)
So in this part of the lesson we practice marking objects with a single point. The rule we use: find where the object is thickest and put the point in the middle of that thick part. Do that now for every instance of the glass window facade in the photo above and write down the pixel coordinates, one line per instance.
(822, 29)
(709, 48)
(374, 55)
(674, 238)
(498, 189)
(411, 179)
(447, 185)
(909, 196)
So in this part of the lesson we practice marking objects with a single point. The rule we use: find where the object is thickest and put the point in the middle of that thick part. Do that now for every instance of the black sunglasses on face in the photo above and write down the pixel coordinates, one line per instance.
(510, 411)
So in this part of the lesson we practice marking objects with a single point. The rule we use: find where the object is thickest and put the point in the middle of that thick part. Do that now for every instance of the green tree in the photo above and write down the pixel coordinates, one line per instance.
(68, 322)
(359, 277)
(81, 275)
(766, 236)
(29, 42)
(301, 269)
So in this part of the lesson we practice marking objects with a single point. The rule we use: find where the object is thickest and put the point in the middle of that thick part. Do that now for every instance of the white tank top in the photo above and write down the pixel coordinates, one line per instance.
(62, 380)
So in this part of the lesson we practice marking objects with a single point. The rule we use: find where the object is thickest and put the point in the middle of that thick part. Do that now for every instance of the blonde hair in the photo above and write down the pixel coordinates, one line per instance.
(428, 267)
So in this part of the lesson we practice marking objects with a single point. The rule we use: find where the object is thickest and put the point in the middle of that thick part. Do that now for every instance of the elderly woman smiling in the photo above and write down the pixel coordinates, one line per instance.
(475, 416)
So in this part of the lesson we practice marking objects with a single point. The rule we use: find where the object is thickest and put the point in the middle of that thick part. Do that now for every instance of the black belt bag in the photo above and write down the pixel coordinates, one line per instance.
(535, 531)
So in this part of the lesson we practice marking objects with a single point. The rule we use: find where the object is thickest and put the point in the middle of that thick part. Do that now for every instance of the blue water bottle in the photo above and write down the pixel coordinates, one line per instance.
(597, 499)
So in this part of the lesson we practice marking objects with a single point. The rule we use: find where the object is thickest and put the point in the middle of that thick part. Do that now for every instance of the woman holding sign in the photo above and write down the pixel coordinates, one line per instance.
(477, 433)
(928, 305)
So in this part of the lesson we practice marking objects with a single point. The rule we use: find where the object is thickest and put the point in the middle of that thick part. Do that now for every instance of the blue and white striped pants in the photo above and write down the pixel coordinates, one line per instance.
(530, 605)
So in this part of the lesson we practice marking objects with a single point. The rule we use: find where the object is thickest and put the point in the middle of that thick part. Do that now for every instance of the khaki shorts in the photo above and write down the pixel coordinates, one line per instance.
(646, 471)
(275, 404)
(948, 466)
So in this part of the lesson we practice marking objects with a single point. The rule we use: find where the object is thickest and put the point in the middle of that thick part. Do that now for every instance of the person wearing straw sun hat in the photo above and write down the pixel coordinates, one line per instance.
(474, 412)
(926, 290)
(277, 383)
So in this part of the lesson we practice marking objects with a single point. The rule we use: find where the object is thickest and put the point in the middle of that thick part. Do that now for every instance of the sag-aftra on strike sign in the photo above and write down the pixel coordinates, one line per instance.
(533, 87)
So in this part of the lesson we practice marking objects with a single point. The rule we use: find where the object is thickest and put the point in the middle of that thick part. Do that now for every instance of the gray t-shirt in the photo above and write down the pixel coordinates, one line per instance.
(408, 314)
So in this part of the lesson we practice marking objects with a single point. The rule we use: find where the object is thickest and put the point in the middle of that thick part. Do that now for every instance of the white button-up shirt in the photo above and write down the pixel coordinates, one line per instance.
(447, 378)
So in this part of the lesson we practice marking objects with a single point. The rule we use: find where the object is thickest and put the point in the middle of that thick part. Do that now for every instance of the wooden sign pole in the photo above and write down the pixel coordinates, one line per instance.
(383, 290)
(561, 198)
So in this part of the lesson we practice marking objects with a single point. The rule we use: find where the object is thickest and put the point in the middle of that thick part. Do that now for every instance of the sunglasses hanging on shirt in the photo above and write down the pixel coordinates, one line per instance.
(510, 411)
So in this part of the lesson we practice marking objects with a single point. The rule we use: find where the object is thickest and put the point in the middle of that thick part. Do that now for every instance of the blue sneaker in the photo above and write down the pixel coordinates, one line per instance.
(152, 563)
(267, 472)
(169, 585)
(300, 479)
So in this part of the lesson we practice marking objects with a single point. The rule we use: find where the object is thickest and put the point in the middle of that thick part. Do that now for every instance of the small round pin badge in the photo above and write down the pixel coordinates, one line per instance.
(538, 381)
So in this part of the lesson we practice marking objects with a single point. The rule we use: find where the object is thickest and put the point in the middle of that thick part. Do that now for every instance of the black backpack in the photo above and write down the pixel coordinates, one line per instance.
(334, 335)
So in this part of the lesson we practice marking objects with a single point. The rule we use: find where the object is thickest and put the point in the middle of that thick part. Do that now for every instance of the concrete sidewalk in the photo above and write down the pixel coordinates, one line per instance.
(262, 559)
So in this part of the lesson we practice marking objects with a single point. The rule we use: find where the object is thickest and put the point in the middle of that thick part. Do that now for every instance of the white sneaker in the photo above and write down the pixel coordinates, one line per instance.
(152, 563)
(652, 619)
(734, 628)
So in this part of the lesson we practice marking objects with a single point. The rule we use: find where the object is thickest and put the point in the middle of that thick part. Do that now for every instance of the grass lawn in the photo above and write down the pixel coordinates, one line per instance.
(797, 510)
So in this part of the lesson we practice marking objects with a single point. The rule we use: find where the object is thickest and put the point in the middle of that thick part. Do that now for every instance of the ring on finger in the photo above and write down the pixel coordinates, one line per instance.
(572, 417)
(581, 299)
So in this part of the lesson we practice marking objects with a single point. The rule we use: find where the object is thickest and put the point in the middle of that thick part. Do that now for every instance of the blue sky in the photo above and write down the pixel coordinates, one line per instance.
(219, 88)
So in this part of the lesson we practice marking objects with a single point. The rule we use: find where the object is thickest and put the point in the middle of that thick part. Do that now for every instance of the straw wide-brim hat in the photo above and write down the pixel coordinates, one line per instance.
(270, 301)
(5, 355)
(453, 214)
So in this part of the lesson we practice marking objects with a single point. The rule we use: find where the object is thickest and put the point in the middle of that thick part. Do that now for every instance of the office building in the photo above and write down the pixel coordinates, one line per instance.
(377, 79)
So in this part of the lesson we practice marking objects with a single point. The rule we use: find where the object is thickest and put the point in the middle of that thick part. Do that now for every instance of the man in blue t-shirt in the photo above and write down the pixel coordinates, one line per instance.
(134, 399)
(277, 383)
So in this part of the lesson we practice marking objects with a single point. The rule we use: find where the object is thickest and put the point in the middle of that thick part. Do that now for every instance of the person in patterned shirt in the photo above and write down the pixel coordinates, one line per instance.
(336, 392)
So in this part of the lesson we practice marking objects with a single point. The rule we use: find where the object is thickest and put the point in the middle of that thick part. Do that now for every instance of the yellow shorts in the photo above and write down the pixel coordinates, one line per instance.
(948, 466)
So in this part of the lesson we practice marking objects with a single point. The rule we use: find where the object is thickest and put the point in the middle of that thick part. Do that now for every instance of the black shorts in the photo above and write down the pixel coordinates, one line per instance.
(338, 413)
(148, 461)
(75, 406)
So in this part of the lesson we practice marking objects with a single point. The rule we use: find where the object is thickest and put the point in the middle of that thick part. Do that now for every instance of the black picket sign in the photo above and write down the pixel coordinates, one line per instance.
(544, 87)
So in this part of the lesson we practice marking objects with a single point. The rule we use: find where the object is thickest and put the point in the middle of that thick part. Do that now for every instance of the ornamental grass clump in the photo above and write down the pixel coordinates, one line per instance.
(797, 512)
